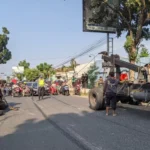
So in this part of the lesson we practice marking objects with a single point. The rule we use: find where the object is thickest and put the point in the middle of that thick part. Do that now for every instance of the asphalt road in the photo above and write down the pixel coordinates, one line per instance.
(67, 123)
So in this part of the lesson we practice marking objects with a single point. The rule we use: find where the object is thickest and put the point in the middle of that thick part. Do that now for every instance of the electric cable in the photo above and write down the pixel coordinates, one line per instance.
(101, 42)
(87, 64)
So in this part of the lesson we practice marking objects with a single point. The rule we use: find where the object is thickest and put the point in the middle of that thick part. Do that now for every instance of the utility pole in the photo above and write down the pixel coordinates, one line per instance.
(108, 43)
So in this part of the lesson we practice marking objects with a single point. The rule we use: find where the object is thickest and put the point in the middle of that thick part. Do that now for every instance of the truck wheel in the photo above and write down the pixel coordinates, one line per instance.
(96, 100)
(124, 100)
(131, 102)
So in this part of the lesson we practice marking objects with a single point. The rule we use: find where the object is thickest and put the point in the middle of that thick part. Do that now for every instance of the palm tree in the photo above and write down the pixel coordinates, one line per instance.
(65, 69)
(73, 64)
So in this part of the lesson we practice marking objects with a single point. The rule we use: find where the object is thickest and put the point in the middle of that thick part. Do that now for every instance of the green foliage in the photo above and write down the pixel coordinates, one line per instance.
(46, 69)
(129, 44)
(133, 17)
(32, 74)
(92, 75)
(24, 64)
(5, 54)
(143, 52)
(19, 76)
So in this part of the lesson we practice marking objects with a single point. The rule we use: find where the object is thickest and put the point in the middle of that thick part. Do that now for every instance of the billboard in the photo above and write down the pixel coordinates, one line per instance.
(18, 69)
(107, 23)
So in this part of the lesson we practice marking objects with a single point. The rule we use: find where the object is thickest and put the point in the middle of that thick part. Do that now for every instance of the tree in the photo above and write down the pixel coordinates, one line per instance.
(24, 64)
(46, 69)
(133, 17)
(65, 69)
(5, 54)
(92, 74)
(144, 52)
(73, 64)
(19, 76)
(32, 74)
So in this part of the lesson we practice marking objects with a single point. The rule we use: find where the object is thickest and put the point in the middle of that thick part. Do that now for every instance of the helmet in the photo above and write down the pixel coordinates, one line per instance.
(41, 76)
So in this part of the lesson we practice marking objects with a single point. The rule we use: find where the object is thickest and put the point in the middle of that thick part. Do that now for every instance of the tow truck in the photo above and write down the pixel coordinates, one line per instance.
(127, 91)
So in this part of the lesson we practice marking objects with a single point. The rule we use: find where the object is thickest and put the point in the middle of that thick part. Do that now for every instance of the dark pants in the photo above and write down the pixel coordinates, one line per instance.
(73, 84)
(84, 85)
(41, 92)
(111, 100)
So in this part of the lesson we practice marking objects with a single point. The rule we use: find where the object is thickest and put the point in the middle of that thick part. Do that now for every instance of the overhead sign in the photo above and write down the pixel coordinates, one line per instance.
(107, 23)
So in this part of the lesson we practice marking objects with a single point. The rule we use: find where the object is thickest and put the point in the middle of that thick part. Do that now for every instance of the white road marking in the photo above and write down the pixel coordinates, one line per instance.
(83, 140)
(72, 125)
(32, 114)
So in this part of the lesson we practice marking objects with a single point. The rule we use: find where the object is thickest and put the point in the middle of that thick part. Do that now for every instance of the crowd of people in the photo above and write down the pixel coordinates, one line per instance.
(7, 89)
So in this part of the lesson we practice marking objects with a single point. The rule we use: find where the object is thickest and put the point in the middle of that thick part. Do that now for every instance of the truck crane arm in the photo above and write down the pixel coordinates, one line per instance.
(115, 60)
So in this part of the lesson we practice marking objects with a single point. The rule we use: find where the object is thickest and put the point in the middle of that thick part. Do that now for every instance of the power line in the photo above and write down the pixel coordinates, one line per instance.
(99, 43)
(87, 64)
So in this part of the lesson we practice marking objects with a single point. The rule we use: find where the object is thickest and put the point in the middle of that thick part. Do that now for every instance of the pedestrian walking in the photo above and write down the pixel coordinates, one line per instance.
(110, 91)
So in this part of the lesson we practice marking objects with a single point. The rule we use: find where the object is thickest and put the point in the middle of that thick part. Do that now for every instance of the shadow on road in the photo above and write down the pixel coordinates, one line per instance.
(84, 130)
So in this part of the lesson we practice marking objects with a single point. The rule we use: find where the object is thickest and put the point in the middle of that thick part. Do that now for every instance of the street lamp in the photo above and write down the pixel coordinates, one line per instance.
(93, 56)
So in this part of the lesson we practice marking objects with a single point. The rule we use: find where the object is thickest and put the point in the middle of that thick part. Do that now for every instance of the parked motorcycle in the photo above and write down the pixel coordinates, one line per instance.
(53, 90)
(77, 89)
(17, 92)
(27, 92)
(65, 90)
(47, 91)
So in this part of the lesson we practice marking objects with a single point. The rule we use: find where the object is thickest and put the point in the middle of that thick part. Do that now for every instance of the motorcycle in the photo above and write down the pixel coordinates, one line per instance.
(47, 91)
(17, 91)
(65, 90)
(53, 90)
(27, 92)
(77, 89)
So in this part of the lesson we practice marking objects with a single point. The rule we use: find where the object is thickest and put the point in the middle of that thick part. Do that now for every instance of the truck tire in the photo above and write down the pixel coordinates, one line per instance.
(1, 112)
(96, 100)
(124, 100)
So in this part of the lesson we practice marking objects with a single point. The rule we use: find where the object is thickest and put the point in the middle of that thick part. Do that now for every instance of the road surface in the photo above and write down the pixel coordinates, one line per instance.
(67, 123)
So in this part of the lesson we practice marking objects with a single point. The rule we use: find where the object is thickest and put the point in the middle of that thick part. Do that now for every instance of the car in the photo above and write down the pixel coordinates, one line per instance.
(29, 84)
(34, 87)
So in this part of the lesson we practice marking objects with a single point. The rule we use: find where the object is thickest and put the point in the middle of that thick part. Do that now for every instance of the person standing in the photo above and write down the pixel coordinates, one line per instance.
(110, 91)
(73, 81)
(82, 80)
(41, 88)
(100, 81)
(86, 80)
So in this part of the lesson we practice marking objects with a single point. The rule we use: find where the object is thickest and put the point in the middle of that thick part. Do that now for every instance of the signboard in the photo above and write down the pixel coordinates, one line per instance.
(18, 69)
(104, 26)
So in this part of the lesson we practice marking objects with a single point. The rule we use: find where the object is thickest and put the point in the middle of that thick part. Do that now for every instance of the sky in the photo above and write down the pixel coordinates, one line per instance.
(48, 31)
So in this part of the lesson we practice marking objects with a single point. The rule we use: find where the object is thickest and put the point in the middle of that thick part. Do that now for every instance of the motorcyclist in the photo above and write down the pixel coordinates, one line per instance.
(15, 86)
(41, 87)
(25, 89)
(53, 88)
